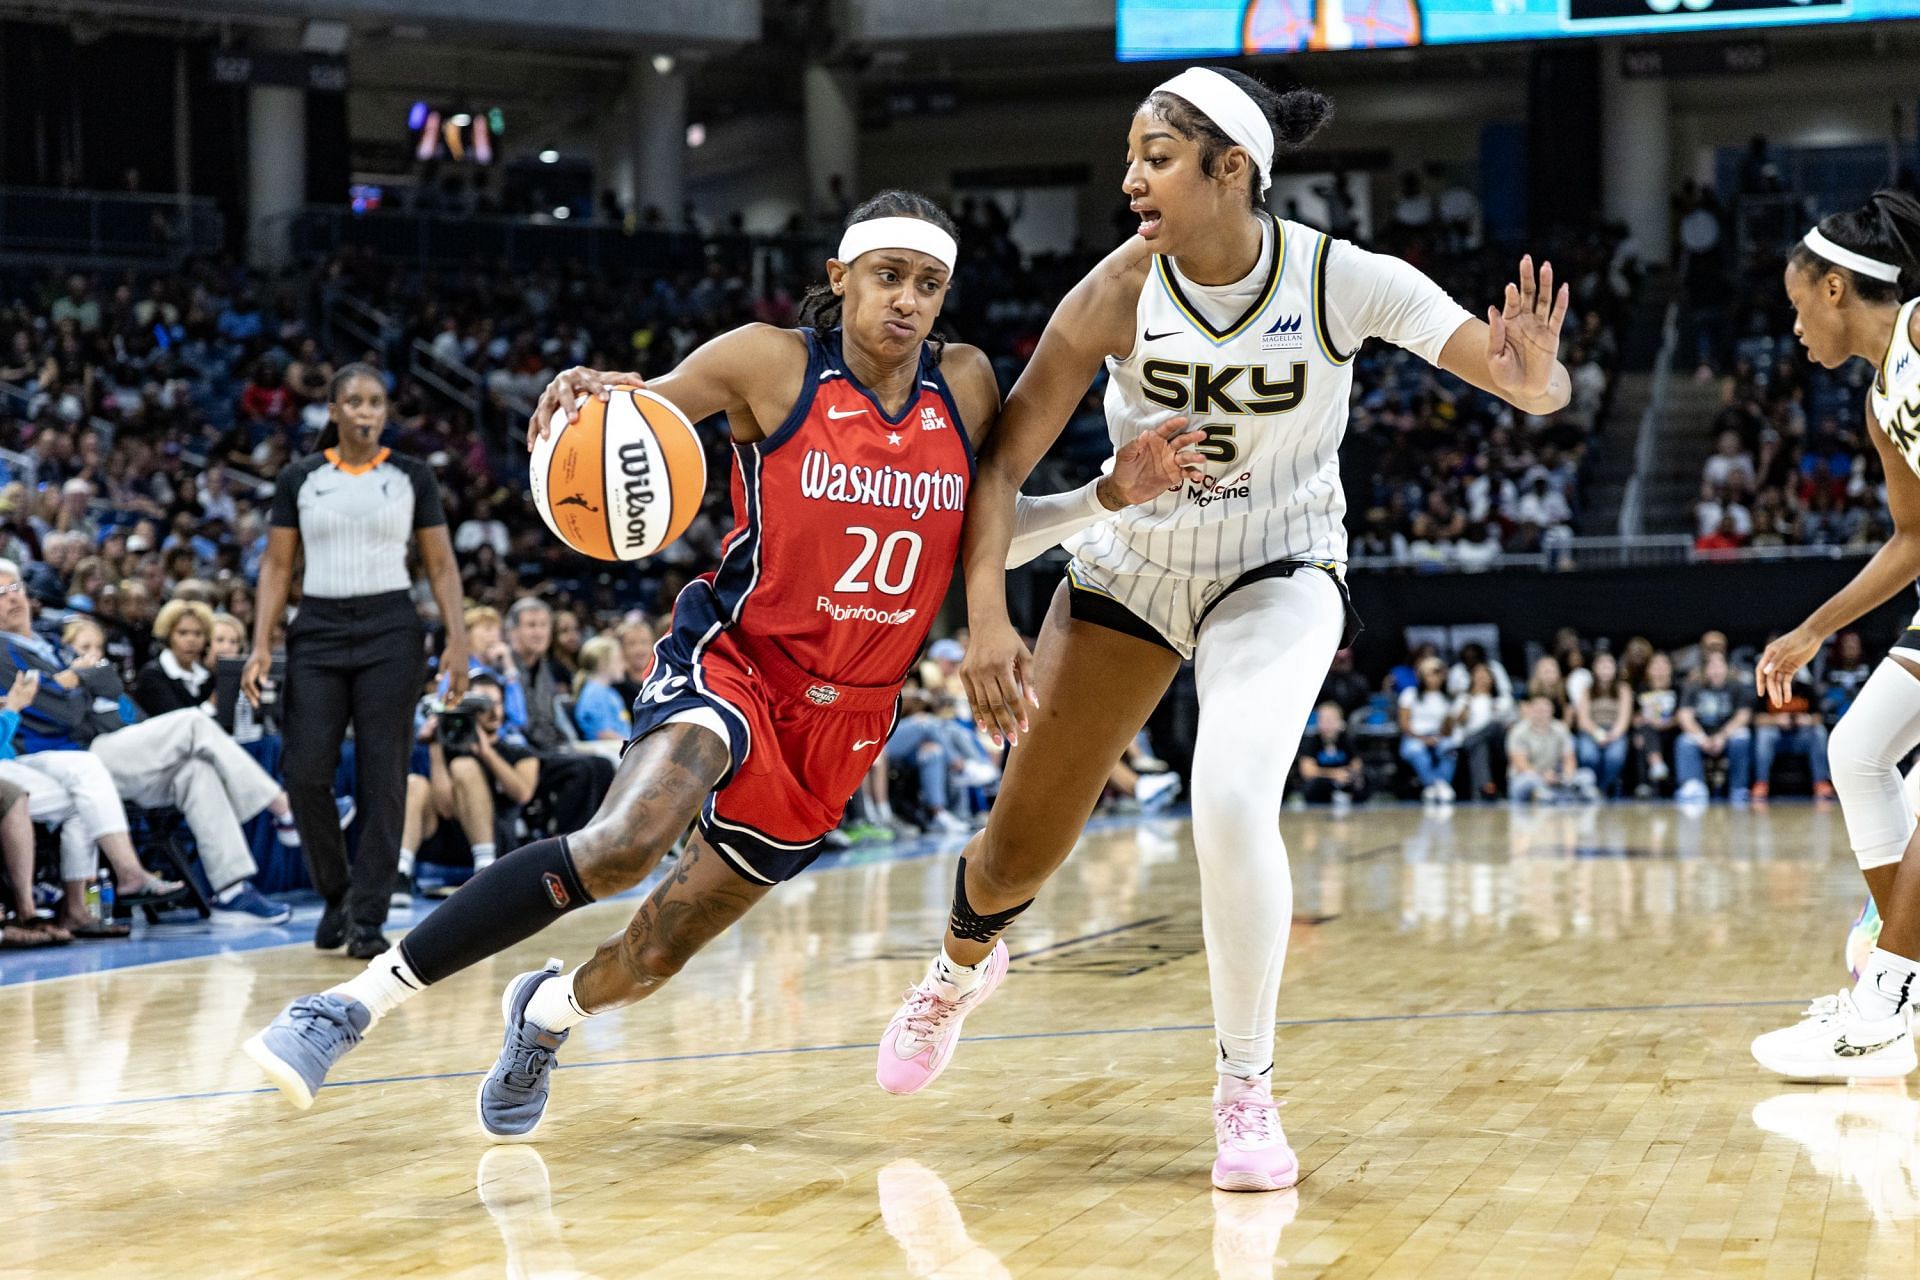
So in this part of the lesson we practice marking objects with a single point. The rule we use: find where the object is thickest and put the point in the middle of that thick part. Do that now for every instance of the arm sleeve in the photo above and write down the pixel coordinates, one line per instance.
(427, 511)
(286, 498)
(1042, 523)
(1376, 295)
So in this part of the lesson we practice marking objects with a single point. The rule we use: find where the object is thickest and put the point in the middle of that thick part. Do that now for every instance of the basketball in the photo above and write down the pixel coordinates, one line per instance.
(622, 480)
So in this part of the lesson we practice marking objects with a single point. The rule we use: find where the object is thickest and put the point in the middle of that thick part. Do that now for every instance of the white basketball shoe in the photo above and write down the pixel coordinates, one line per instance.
(1832, 1041)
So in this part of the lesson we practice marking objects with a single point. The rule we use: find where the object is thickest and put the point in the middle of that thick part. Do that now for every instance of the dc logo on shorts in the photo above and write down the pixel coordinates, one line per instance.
(823, 695)
(664, 690)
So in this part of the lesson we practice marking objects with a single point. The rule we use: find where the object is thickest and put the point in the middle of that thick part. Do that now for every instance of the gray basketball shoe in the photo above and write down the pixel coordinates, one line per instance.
(513, 1097)
(300, 1046)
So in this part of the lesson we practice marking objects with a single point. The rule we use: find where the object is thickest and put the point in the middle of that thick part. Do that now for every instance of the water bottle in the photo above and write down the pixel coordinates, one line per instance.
(105, 895)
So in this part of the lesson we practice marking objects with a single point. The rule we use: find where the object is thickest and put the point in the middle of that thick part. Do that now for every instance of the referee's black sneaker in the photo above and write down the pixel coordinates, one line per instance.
(332, 929)
(365, 941)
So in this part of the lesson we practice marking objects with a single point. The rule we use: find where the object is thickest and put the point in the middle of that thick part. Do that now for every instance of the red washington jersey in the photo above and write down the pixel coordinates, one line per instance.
(847, 524)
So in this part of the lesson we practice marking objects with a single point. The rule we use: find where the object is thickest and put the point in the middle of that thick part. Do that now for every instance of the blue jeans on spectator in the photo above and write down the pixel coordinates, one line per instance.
(1809, 740)
(1690, 763)
(1608, 762)
(921, 741)
(1432, 765)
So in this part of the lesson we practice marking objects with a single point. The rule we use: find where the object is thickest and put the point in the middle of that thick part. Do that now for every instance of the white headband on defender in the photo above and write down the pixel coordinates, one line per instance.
(1858, 263)
(1233, 109)
(899, 233)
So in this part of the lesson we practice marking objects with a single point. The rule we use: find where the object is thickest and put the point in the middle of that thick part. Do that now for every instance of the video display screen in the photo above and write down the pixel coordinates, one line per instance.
(1150, 29)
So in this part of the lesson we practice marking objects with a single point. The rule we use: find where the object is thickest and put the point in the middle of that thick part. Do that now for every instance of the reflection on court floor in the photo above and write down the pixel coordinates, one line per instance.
(1512, 1044)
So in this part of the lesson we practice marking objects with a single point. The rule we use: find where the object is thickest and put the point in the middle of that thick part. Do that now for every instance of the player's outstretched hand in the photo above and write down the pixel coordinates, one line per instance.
(1773, 674)
(566, 391)
(1152, 463)
(998, 673)
(1523, 337)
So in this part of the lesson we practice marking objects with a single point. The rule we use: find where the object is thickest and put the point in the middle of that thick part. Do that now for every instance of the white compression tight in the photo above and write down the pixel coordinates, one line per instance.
(1865, 752)
(1259, 663)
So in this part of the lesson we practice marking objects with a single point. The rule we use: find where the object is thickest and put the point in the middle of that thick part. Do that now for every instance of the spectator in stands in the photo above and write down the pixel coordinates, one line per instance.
(1548, 682)
(567, 639)
(1845, 670)
(78, 307)
(1714, 719)
(477, 782)
(1540, 761)
(1603, 715)
(1724, 540)
(1481, 714)
(266, 399)
(534, 680)
(1795, 728)
(1656, 724)
(919, 742)
(1345, 687)
(1330, 767)
(1719, 511)
(1472, 655)
(177, 679)
(181, 759)
(636, 638)
(1426, 731)
(1730, 469)
(598, 711)
(230, 643)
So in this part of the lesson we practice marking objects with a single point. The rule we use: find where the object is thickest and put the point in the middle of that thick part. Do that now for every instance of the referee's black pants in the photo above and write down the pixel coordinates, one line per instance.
(361, 658)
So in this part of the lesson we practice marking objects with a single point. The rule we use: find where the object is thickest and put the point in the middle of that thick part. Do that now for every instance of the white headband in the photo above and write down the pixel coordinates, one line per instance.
(899, 233)
(1233, 109)
(1858, 263)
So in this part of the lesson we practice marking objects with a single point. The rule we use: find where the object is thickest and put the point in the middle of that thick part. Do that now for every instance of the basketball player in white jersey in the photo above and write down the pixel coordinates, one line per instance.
(1846, 281)
(1248, 325)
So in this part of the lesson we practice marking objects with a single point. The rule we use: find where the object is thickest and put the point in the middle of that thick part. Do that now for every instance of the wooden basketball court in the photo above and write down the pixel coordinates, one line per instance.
(1513, 1045)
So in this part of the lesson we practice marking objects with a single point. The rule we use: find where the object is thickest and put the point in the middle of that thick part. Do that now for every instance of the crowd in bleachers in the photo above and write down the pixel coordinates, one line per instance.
(1587, 722)
(1790, 463)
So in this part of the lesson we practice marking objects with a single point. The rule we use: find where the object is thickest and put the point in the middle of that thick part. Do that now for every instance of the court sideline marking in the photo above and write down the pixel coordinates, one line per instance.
(796, 1050)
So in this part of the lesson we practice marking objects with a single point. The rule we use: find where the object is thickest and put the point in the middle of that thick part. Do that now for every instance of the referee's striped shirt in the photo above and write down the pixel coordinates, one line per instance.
(354, 522)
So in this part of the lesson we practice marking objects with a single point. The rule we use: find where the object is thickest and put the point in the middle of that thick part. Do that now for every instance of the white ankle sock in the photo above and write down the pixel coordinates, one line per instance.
(1888, 983)
(406, 861)
(384, 985)
(231, 892)
(482, 856)
(964, 976)
(553, 1006)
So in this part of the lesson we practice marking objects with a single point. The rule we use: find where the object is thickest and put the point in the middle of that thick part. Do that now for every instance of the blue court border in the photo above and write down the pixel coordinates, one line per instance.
(798, 1050)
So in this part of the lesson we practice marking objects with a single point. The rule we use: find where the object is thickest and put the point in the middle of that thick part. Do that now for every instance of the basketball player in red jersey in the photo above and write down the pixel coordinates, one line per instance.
(775, 688)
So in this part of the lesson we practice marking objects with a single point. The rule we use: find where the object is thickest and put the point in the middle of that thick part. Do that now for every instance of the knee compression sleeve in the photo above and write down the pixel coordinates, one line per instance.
(971, 926)
(1864, 751)
(507, 903)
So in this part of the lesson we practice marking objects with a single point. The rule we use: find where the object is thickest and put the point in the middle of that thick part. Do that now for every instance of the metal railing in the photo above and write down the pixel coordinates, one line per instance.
(108, 225)
(1564, 555)
(1646, 446)
(445, 239)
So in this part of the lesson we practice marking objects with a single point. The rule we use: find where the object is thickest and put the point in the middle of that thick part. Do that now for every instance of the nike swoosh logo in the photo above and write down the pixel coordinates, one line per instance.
(862, 746)
(1155, 337)
(851, 413)
(1847, 1050)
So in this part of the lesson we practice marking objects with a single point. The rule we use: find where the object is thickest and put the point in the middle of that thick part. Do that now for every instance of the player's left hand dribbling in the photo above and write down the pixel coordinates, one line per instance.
(565, 393)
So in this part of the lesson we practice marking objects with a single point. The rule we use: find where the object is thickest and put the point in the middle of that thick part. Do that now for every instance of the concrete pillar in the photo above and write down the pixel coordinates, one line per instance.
(656, 138)
(832, 101)
(1636, 155)
(276, 161)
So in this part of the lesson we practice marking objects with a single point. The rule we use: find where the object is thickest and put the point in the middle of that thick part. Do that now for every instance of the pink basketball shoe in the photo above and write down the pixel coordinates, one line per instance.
(1254, 1155)
(922, 1036)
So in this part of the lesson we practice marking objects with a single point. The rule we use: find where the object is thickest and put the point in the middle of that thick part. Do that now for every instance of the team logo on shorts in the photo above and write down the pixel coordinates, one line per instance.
(823, 695)
(556, 891)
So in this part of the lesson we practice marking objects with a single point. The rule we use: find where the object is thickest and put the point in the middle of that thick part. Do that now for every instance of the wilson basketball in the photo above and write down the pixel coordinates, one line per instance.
(622, 480)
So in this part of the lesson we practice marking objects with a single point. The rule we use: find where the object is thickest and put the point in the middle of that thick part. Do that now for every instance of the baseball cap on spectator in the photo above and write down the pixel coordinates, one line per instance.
(948, 650)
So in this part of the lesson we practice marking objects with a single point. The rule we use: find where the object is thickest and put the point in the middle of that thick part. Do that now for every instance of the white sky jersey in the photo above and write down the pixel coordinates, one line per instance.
(1895, 398)
(1264, 367)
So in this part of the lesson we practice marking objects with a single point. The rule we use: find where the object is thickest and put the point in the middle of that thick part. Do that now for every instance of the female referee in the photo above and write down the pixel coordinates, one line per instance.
(356, 651)
(776, 686)
(1852, 281)
(1248, 324)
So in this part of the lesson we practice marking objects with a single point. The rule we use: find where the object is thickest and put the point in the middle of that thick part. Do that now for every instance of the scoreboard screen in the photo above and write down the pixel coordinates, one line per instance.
(1150, 29)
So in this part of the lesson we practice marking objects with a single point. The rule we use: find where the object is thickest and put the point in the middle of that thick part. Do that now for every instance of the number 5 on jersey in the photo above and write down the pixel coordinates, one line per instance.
(893, 561)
